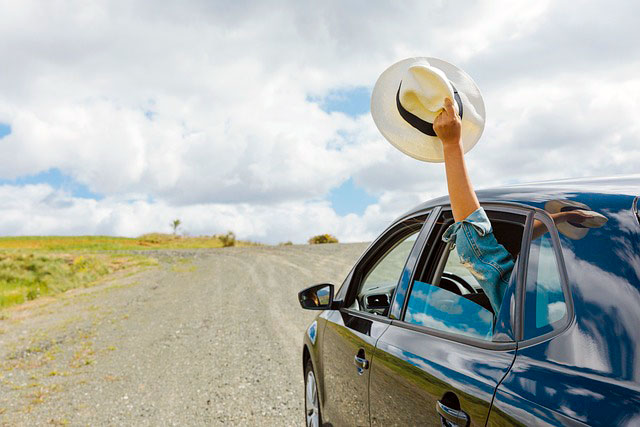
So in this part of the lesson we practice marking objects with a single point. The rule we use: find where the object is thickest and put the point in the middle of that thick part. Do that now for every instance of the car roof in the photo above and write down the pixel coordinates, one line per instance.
(598, 190)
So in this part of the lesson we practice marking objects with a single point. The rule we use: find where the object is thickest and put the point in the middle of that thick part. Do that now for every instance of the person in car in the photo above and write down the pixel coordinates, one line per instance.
(489, 262)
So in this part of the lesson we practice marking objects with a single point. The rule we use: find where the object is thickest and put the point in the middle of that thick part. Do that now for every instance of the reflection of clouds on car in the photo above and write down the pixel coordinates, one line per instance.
(430, 322)
(626, 221)
(441, 309)
(486, 316)
(556, 311)
(421, 296)
(547, 278)
(445, 302)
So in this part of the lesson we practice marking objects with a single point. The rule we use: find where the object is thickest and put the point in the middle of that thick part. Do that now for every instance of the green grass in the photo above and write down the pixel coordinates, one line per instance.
(26, 276)
(33, 266)
(106, 243)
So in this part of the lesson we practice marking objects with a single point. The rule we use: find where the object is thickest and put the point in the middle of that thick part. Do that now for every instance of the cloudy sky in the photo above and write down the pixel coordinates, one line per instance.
(118, 116)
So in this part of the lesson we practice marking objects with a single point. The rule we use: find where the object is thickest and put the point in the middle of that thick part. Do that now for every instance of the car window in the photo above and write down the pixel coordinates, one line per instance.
(438, 308)
(381, 274)
(545, 305)
(454, 303)
(446, 293)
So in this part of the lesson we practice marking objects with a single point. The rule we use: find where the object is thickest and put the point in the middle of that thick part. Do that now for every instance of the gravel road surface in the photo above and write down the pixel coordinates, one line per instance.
(208, 337)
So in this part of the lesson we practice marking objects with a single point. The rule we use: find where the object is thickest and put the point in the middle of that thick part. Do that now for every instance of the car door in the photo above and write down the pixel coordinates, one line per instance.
(578, 332)
(351, 332)
(528, 393)
(445, 351)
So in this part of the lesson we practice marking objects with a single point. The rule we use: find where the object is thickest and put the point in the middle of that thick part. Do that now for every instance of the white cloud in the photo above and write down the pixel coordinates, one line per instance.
(42, 210)
(204, 107)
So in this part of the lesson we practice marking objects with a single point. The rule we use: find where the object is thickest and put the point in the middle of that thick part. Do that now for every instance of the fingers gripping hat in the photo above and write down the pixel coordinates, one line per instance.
(410, 94)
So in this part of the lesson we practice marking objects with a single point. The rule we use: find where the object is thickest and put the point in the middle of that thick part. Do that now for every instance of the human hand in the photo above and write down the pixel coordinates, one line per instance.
(447, 125)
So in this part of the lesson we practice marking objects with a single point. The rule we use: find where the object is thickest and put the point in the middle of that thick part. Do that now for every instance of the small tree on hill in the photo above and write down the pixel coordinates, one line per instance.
(175, 224)
(228, 239)
(322, 238)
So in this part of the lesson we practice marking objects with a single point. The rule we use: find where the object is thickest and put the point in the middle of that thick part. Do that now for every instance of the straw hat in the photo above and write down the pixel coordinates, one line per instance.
(572, 230)
(410, 94)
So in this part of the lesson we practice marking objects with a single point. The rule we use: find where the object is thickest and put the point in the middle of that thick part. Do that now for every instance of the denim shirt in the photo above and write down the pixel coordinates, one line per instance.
(479, 251)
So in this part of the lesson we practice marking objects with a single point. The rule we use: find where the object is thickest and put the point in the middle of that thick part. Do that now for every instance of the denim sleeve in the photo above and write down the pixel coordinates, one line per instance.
(479, 251)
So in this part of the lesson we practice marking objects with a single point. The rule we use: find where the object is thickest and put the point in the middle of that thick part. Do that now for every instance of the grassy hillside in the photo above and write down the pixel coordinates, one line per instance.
(46, 265)
(26, 276)
(102, 243)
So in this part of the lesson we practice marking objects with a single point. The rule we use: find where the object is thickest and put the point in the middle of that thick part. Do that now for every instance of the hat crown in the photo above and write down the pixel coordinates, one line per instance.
(409, 95)
(423, 90)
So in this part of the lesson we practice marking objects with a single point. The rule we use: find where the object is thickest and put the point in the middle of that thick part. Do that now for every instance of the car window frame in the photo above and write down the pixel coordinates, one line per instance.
(515, 208)
(389, 235)
(564, 280)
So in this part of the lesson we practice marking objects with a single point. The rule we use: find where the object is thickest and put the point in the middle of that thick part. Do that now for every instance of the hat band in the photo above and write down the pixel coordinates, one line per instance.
(415, 121)
(573, 208)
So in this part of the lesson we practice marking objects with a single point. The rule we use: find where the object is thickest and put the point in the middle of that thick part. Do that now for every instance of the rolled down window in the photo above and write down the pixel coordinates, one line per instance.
(438, 308)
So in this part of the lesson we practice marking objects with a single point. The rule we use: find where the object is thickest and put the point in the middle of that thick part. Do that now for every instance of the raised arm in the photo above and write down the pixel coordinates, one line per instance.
(463, 199)
(487, 260)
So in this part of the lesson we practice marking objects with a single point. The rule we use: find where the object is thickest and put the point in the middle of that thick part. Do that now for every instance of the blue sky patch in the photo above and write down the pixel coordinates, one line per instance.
(353, 101)
(55, 178)
(5, 129)
(348, 199)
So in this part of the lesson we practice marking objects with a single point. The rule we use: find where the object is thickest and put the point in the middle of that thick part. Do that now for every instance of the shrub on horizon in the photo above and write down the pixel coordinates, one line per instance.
(228, 239)
(322, 238)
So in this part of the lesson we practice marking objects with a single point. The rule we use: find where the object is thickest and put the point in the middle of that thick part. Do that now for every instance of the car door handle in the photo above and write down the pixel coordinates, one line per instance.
(360, 362)
(456, 416)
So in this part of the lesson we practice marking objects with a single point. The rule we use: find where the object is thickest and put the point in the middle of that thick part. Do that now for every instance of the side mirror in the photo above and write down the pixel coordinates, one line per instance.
(317, 297)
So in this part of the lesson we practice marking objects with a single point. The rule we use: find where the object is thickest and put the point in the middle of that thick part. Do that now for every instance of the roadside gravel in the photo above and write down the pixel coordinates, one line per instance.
(209, 337)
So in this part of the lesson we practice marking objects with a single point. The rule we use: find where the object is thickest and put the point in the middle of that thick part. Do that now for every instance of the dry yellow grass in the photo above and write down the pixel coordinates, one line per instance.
(34, 266)
(102, 243)
(25, 276)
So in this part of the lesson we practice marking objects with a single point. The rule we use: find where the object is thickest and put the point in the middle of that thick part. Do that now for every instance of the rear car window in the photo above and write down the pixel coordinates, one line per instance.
(545, 304)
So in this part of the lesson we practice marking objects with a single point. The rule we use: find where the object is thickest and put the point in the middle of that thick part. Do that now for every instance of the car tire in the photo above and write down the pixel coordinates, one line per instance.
(312, 416)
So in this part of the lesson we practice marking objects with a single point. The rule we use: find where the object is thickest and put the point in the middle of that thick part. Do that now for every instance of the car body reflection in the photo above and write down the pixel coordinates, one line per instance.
(589, 373)
(441, 309)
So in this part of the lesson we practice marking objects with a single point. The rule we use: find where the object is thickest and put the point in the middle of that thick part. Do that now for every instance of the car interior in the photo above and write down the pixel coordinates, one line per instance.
(442, 267)
(439, 265)
(380, 275)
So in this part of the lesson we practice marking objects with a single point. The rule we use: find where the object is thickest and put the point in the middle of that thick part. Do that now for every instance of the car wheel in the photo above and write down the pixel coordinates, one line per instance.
(311, 399)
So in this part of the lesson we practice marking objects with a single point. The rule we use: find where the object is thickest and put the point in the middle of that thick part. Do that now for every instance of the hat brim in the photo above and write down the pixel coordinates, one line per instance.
(408, 139)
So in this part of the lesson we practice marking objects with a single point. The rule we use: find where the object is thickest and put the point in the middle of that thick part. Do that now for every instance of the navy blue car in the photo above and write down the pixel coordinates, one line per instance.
(411, 339)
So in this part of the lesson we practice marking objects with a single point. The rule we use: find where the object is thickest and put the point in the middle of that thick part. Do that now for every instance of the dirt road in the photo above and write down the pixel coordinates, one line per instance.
(208, 337)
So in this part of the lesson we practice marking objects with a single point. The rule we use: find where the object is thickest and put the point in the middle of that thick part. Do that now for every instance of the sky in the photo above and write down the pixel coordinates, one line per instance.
(117, 117)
